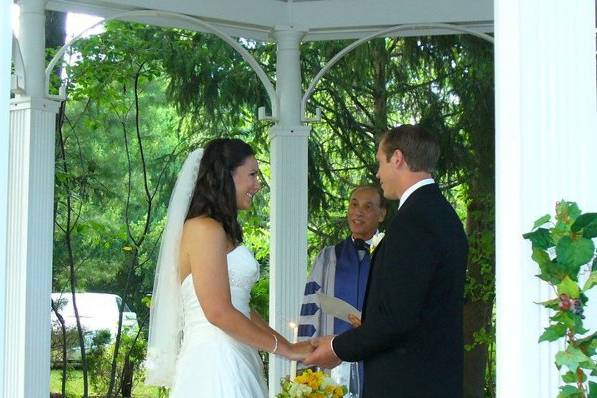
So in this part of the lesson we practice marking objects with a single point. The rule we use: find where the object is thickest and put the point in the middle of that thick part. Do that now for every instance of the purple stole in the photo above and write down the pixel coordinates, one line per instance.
(350, 279)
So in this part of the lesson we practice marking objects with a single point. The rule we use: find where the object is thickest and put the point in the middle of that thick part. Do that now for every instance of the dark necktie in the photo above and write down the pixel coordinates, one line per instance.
(362, 248)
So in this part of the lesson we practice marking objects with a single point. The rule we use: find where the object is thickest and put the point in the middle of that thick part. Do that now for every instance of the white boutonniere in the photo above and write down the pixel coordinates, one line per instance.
(375, 241)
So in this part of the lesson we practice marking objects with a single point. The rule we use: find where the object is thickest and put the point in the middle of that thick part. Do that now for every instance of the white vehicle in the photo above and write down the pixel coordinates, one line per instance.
(97, 311)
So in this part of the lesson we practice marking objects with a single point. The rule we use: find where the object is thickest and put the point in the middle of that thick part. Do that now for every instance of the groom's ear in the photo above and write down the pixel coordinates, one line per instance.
(397, 159)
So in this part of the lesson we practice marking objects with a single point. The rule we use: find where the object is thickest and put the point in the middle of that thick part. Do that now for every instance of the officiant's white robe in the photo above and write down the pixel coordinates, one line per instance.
(338, 272)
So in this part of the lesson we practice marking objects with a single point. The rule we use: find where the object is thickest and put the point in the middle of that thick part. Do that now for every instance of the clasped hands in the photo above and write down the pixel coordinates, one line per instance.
(317, 351)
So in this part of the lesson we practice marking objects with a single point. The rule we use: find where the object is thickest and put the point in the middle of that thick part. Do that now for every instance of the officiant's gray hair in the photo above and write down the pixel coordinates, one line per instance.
(383, 203)
(419, 148)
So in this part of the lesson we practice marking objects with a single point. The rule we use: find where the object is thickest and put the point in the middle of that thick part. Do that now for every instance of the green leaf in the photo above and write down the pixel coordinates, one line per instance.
(592, 389)
(540, 238)
(540, 256)
(592, 281)
(588, 344)
(570, 377)
(552, 279)
(569, 392)
(588, 339)
(550, 271)
(574, 253)
(567, 212)
(594, 266)
(570, 358)
(578, 328)
(588, 366)
(146, 301)
(541, 221)
(571, 320)
(569, 287)
(564, 317)
(587, 223)
(553, 332)
(553, 304)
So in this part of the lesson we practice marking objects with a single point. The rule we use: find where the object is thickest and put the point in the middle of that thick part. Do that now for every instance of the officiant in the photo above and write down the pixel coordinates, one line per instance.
(342, 270)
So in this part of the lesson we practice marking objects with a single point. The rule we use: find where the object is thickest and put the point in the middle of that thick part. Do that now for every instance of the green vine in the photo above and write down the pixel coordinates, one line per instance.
(565, 252)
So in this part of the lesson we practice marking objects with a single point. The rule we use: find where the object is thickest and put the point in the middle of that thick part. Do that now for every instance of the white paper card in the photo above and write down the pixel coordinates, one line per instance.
(336, 307)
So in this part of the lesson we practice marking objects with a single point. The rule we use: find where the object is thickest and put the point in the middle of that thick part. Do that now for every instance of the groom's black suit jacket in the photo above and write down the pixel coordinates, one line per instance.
(411, 337)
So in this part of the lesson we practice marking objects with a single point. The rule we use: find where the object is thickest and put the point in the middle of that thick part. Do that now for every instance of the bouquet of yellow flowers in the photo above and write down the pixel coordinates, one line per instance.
(311, 384)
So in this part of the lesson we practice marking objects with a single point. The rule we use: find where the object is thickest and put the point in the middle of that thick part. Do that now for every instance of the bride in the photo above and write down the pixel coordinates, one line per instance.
(203, 337)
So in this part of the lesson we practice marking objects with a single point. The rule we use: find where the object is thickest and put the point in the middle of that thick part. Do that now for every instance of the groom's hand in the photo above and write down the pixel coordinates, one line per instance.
(323, 356)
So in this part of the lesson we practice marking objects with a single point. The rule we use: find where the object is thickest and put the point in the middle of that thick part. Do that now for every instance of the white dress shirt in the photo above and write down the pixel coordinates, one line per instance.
(413, 188)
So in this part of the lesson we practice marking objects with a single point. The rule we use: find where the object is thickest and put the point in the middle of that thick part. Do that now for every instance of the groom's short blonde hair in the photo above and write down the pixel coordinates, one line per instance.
(420, 149)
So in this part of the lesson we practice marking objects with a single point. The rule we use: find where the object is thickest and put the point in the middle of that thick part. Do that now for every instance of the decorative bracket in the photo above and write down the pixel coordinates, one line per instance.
(262, 115)
(17, 84)
(315, 119)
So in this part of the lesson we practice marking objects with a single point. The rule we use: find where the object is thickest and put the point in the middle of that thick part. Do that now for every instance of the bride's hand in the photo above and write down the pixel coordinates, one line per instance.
(298, 351)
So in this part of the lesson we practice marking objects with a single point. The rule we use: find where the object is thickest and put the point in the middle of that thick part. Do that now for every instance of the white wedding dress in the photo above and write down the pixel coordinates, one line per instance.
(211, 363)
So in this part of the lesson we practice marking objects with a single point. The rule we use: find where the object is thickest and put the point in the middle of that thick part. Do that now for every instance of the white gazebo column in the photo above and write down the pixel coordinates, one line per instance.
(546, 135)
(5, 54)
(30, 221)
(288, 256)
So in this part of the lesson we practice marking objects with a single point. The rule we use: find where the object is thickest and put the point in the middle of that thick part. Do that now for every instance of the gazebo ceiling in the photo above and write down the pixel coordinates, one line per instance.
(322, 19)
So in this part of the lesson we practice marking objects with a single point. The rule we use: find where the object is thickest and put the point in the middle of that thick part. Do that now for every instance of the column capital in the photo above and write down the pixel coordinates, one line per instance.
(289, 36)
(40, 104)
(296, 131)
(288, 75)
(32, 5)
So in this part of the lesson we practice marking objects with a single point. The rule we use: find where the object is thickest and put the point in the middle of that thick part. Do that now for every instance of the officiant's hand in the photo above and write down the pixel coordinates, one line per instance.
(323, 356)
(355, 321)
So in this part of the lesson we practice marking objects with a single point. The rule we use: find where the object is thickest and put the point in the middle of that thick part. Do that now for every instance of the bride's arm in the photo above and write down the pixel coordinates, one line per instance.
(258, 320)
(204, 246)
(301, 349)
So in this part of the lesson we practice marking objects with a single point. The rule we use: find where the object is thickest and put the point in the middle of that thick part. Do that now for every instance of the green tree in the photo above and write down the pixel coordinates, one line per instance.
(118, 149)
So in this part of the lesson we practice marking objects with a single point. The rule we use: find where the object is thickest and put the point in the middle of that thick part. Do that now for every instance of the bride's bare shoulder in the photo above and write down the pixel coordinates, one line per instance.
(203, 226)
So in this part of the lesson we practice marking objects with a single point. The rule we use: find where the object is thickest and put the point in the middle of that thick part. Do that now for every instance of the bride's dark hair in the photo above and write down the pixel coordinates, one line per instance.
(214, 194)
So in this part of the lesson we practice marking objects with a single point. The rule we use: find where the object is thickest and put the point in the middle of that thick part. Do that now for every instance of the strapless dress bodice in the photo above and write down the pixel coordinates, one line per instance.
(212, 364)
(243, 272)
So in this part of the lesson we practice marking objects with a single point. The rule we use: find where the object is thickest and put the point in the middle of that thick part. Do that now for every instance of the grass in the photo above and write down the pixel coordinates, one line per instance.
(74, 386)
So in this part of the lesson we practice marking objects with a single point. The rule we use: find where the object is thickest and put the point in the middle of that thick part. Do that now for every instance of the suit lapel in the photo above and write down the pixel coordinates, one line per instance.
(376, 250)
(372, 269)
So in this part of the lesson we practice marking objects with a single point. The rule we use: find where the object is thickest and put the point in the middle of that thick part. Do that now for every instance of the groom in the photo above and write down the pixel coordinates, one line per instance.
(411, 338)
